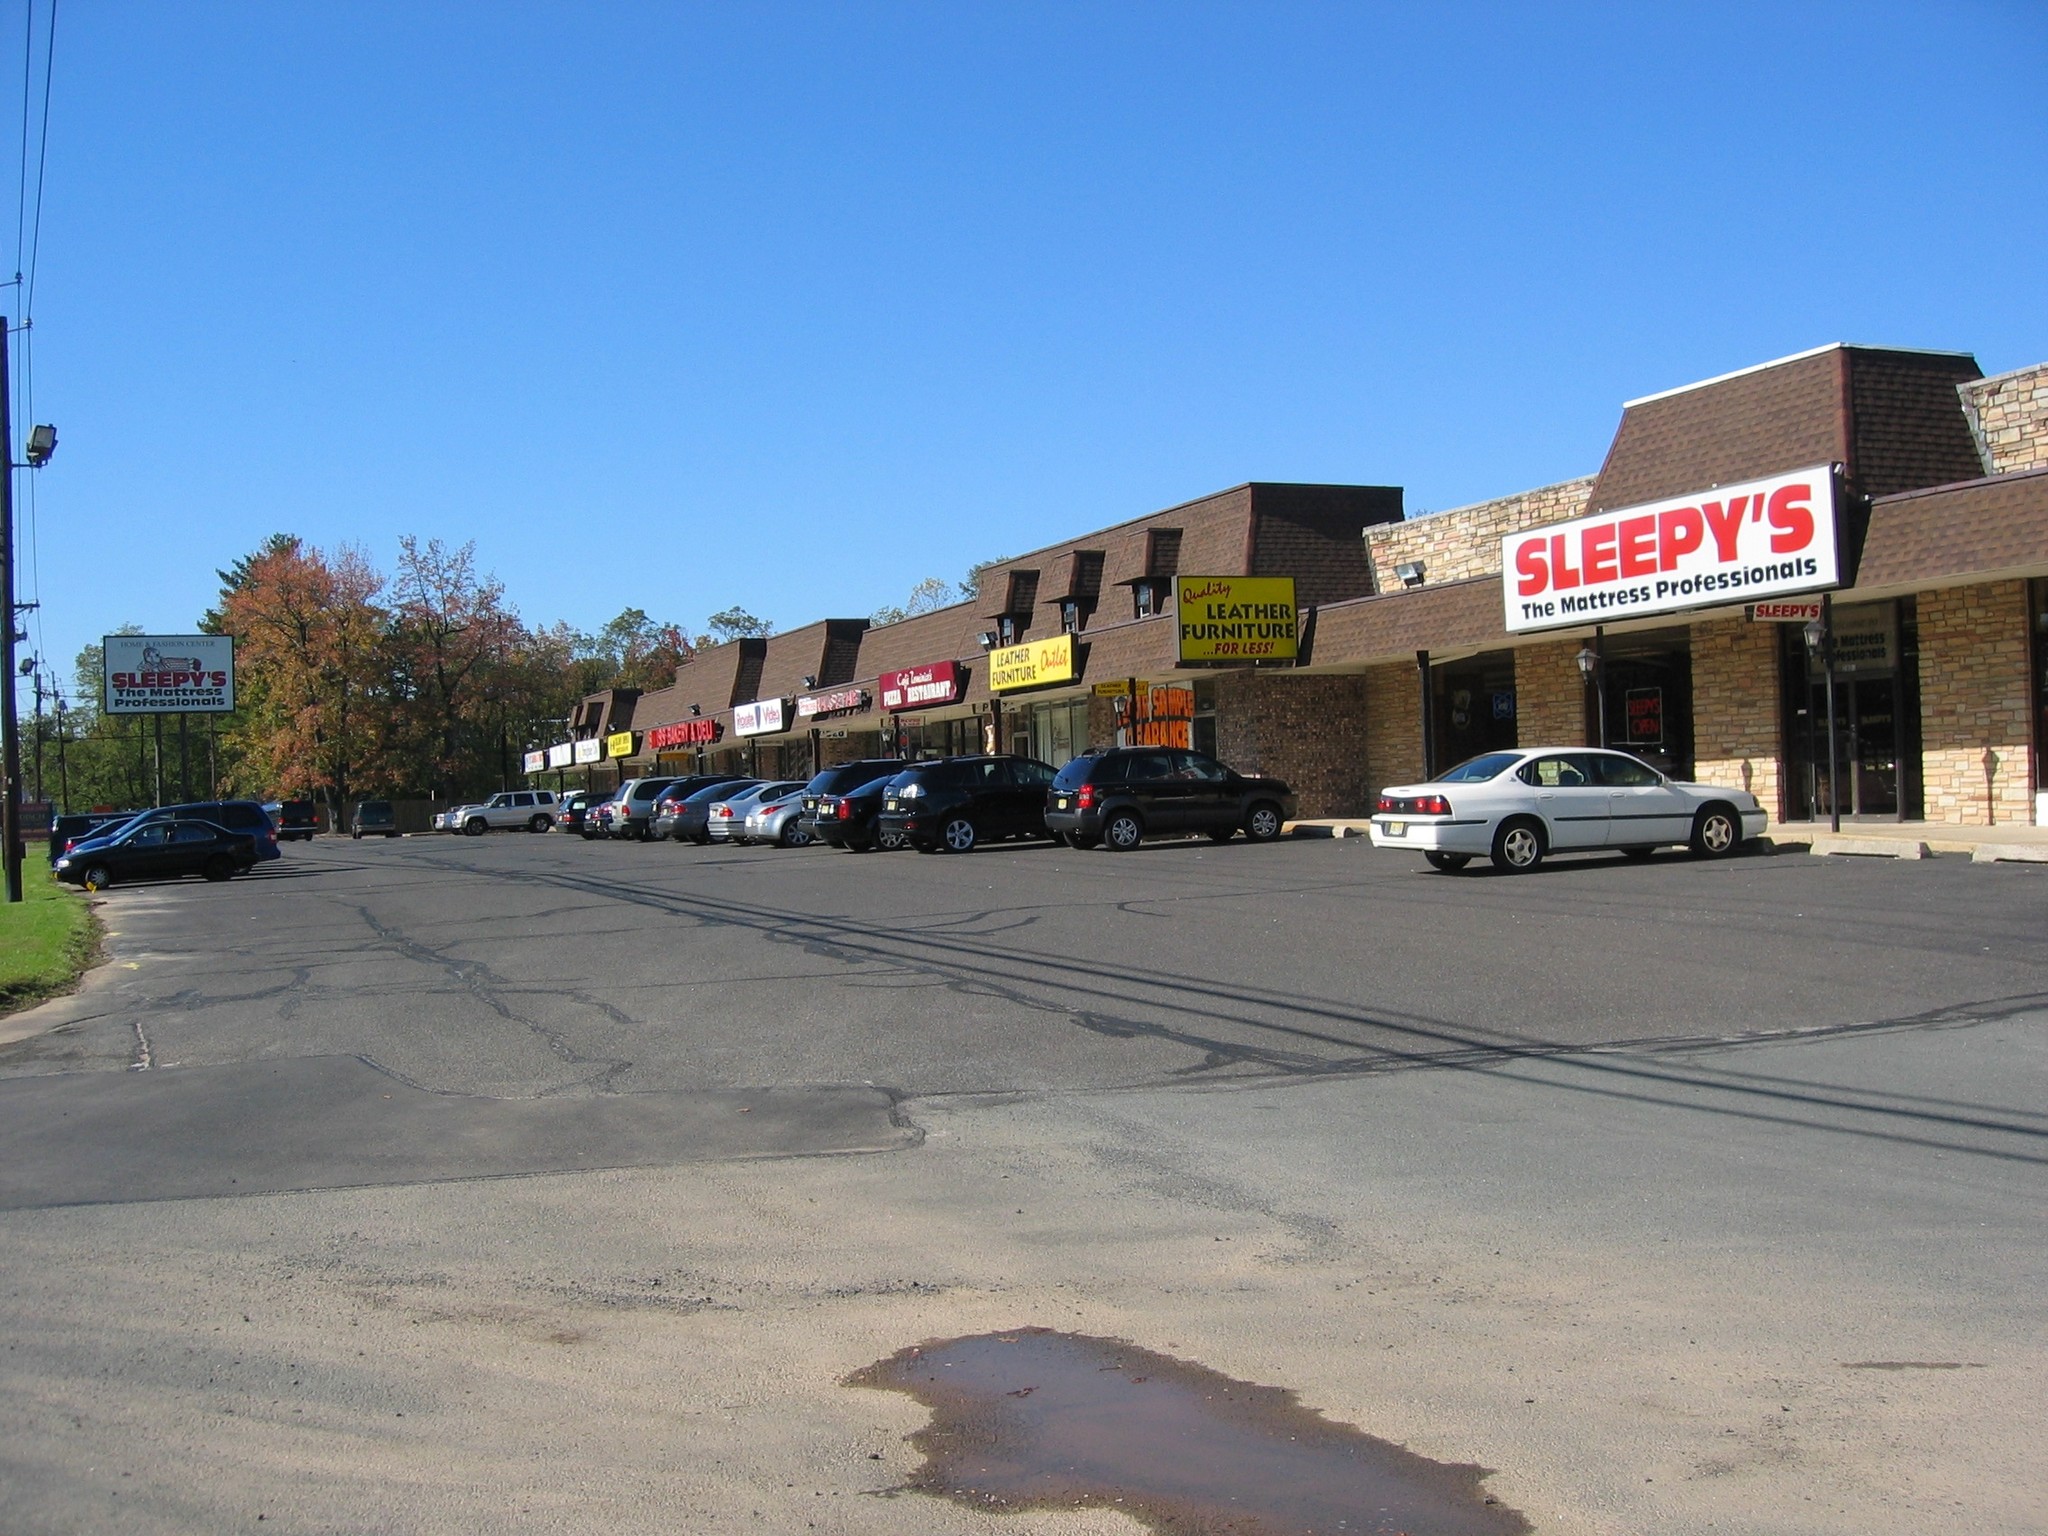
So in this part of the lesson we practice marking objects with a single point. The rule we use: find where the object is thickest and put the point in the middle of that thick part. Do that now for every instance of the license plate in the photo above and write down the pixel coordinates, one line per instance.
(892, 805)
(1397, 829)
(1062, 802)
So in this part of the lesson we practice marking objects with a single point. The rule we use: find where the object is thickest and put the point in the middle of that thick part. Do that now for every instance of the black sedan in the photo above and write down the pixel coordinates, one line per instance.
(160, 850)
(957, 803)
(685, 814)
(851, 821)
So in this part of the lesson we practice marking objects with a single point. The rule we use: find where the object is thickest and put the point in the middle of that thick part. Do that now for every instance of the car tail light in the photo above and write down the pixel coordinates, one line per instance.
(1432, 805)
(1387, 803)
(845, 811)
(722, 812)
(1085, 800)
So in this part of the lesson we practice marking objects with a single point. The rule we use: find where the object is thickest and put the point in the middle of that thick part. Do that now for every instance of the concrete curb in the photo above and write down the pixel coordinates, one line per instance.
(2014, 853)
(1829, 843)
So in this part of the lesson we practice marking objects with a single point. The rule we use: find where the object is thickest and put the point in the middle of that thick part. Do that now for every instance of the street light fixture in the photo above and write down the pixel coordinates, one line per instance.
(42, 442)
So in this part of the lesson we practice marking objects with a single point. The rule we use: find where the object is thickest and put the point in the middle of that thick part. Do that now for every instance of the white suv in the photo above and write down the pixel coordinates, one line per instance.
(533, 809)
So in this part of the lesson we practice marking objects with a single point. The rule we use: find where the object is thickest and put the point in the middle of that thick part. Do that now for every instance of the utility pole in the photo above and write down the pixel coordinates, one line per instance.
(10, 725)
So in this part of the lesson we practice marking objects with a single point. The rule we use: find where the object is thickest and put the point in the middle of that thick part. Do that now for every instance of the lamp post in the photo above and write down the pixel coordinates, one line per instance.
(1592, 661)
(1820, 641)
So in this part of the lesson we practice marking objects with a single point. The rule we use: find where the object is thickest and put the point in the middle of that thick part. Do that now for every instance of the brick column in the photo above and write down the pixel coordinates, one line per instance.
(1736, 718)
(1393, 727)
(1973, 704)
(1550, 695)
(1310, 731)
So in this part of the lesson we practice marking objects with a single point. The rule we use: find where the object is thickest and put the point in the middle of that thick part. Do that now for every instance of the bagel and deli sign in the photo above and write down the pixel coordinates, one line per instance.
(169, 674)
(1732, 544)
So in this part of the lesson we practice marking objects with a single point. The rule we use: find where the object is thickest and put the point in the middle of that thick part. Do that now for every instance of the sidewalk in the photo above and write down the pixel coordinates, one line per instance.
(2017, 842)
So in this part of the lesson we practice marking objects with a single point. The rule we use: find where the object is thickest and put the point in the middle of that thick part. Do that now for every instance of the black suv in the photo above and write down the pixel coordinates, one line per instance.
(843, 779)
(373, 816)
(297, 818)
(1121, 795)
(956, 802)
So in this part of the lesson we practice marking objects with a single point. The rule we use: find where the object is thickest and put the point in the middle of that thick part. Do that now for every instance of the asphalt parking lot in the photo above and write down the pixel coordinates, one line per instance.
(536, 965)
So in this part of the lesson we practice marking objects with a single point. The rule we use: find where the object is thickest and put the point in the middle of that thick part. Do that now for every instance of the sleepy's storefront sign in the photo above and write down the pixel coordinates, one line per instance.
(1732, 544)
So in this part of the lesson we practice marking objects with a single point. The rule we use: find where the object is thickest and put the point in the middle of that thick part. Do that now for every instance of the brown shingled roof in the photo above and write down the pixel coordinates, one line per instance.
(1892, 417)
(1450, 616)
(1979, 528)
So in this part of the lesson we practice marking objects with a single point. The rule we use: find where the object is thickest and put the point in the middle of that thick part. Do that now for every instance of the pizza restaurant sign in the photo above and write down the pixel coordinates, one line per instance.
(698, 732)
(916, 687)
(1734, 543)
(840, 701)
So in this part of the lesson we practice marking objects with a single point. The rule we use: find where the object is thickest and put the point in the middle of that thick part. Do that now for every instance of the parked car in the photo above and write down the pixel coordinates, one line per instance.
(1516, 808)
(731, 807)
(689, 816)
(571, 807)
(76, 827)
(244, 816)
(373, 818)
(1122, 795)
(531, 810)
(160, 848)
(780, 821)
(297, 819)
(853, 820)
(632, 808)
(669, 806)
(956, 803)
(841, 777)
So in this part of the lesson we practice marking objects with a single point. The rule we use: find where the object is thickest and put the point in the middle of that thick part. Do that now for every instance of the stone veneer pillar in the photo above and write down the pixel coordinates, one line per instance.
(1975, 741)
(1393, 727)
(1550, 695)
(1737, 724)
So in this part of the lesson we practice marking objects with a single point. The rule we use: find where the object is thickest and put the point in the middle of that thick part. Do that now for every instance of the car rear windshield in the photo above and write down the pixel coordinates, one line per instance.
(849, 776)
(1101, 770)
(1476, 770)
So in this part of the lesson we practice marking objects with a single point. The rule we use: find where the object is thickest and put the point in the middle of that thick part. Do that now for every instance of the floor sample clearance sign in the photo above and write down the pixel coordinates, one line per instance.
(1731, 544)
(169, 674)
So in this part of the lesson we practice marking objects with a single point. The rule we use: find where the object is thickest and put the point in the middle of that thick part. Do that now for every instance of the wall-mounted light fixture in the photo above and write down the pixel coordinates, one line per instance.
(1410, 572)
(1589, 663)
(810, 681)
(696, 709)
(988, 639)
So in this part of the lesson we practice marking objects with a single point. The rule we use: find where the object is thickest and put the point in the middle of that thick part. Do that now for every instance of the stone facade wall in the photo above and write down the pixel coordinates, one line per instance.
(2009, 415)
(1975, 740)
(1465, 541)
(1393, 727)
(1737, 721)
(1550, 695)
(1310, 731)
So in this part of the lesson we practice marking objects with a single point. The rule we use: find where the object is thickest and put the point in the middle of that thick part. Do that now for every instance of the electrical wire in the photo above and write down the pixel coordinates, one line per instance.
(35, 244)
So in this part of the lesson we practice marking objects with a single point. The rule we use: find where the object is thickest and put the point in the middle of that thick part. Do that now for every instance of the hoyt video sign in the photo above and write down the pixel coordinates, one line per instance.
(1732, 544)
(169, 674)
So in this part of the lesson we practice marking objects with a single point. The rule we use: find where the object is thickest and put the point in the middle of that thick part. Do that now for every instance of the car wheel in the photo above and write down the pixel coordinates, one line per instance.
(1264, 822)
(357, 836)
(1716, 832)
(794, 835)
(97, 878)
(1123, 832)
(219, 867)
(959, 835)
(891, 842)
(1449, 863)
(1518, 846)
(540, 824)
(474, 827)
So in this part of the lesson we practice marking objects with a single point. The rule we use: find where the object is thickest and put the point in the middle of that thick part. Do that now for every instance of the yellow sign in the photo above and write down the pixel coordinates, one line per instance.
(1032, 664)
(1237, 618)
(619, 744)
(1119, 689)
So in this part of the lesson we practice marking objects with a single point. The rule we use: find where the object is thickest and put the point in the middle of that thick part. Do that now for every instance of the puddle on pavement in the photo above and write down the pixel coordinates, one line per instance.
(1032, 1418)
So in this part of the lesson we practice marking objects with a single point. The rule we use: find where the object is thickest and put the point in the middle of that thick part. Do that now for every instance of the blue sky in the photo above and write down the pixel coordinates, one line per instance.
(789, 306)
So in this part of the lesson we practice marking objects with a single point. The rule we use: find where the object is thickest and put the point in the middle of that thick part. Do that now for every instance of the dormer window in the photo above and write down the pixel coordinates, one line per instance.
(1006, 628)
(1070, 616)
(1149, 595)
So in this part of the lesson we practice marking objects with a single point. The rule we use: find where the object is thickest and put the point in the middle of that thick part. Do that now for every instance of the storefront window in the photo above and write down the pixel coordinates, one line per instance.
(1877, 715)
(1649, 697)
(1474, 703)
(1059, 732)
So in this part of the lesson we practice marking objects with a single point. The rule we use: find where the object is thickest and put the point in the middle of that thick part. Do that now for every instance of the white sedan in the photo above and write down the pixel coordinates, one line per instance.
(1518, 807)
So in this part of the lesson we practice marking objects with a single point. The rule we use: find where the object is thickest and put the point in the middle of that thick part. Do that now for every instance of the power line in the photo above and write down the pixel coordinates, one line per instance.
(35, 244)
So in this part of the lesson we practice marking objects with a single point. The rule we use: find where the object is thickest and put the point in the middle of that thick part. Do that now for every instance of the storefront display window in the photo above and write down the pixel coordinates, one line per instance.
(1474, 704)
(1059, 732)
(1649, 697)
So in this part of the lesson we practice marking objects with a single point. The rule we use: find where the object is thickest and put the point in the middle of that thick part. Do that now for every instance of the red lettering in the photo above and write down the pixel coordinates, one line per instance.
(1792, 517)
(1725, 523)
(1638, 546)
(1561, 574)
(1679, 532)
(1529, 566)
(1597, 547)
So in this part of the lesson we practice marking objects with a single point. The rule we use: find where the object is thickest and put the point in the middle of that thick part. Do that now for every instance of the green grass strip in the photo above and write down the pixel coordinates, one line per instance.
(46, 940)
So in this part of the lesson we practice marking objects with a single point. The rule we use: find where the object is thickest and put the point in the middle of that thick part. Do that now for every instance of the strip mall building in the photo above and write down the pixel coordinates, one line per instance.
(1645, 605)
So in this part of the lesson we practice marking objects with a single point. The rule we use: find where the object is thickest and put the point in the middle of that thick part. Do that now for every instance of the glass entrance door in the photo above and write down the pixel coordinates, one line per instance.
(1867, 739)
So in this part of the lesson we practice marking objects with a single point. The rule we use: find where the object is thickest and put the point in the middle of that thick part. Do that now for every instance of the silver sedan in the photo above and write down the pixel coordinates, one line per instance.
(728, 818)
(779, 820)
(1517, 807)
